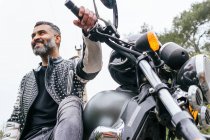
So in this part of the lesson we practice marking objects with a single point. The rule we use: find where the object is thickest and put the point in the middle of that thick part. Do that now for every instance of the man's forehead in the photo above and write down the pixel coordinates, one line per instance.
(42, 27)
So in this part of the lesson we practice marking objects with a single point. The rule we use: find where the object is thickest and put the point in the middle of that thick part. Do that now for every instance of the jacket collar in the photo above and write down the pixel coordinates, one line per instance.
(54, 60)
(51, 62)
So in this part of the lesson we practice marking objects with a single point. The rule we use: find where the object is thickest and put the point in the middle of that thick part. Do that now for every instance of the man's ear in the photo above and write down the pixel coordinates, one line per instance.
(58, 39)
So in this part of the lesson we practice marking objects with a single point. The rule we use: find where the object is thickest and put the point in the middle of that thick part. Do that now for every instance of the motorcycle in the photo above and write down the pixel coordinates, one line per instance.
(171, 93)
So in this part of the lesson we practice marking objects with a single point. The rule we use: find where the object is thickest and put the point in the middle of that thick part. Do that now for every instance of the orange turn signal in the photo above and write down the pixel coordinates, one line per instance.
(153, 41)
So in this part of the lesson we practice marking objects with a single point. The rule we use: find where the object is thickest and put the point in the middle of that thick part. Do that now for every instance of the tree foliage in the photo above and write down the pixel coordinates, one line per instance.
(191, 29)
(1, 134)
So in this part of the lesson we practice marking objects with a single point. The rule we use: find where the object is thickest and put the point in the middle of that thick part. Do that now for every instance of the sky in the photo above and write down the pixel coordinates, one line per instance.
(17, 19)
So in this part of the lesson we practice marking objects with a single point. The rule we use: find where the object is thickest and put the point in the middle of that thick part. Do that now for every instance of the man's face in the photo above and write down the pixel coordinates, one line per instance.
(43, 40)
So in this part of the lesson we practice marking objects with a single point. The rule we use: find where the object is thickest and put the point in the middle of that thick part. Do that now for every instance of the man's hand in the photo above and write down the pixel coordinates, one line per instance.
(12, 131)
(88, 19)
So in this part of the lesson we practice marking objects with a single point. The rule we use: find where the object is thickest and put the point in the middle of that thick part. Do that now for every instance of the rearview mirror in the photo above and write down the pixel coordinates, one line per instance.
(109, 3)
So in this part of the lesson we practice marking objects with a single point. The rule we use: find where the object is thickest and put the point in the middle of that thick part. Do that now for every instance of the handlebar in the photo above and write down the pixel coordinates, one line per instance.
(188, 130)
(71, 6)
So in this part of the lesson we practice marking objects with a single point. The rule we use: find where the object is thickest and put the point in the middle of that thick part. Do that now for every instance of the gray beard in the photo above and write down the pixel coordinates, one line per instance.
(44, 51)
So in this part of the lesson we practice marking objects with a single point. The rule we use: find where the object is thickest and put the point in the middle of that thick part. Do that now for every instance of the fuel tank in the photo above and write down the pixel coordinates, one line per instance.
(104, 109)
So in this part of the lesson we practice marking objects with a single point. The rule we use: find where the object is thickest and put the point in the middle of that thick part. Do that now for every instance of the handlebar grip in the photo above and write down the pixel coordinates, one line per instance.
(189, 131)
(71, 6)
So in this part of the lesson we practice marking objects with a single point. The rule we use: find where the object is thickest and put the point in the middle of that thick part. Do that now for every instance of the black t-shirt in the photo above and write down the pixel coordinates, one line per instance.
(44, 109)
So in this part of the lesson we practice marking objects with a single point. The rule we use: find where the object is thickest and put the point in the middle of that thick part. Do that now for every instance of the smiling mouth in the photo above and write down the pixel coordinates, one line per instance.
(37, 45)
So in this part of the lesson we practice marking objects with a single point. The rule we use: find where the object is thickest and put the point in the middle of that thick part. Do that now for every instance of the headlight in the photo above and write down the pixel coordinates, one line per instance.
(203, 73)
(196, 71)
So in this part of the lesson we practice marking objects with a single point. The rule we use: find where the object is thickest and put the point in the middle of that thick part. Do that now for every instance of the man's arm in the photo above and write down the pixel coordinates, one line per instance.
(91, 62)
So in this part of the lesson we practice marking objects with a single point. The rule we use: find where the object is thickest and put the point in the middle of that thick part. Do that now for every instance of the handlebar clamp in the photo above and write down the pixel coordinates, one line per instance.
(160, 86)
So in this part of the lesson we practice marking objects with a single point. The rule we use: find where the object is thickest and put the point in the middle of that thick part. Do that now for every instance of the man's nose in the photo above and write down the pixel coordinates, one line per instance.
(37, 36)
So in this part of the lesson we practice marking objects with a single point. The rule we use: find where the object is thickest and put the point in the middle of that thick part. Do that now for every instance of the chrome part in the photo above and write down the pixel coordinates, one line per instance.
(202, 64)
(195, 97)
(179, 94)
(151, 90)
(204, 117)
(108, 133)
(181, 103)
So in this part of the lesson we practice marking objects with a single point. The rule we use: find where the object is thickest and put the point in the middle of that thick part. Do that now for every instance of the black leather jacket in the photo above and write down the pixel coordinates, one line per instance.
(62, 78)
(59, 73)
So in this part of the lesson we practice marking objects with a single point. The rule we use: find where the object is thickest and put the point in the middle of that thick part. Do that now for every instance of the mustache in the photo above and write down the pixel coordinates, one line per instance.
(37, 41)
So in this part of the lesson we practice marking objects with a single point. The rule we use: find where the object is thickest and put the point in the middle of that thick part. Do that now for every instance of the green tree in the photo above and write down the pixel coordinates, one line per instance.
(1, 134)
(145, 28)
(191, 29)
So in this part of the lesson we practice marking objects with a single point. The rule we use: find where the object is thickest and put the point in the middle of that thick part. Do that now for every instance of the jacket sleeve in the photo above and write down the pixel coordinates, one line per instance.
(12, 129)
(91, 61)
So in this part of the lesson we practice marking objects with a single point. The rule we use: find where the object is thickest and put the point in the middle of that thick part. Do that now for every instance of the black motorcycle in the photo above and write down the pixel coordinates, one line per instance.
(163, 92)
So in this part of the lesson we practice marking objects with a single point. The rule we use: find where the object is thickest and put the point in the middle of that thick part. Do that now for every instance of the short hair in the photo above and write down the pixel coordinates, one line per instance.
(53, 26)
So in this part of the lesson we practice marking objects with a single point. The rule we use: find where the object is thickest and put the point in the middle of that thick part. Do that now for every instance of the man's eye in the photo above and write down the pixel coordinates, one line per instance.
(42, 33)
